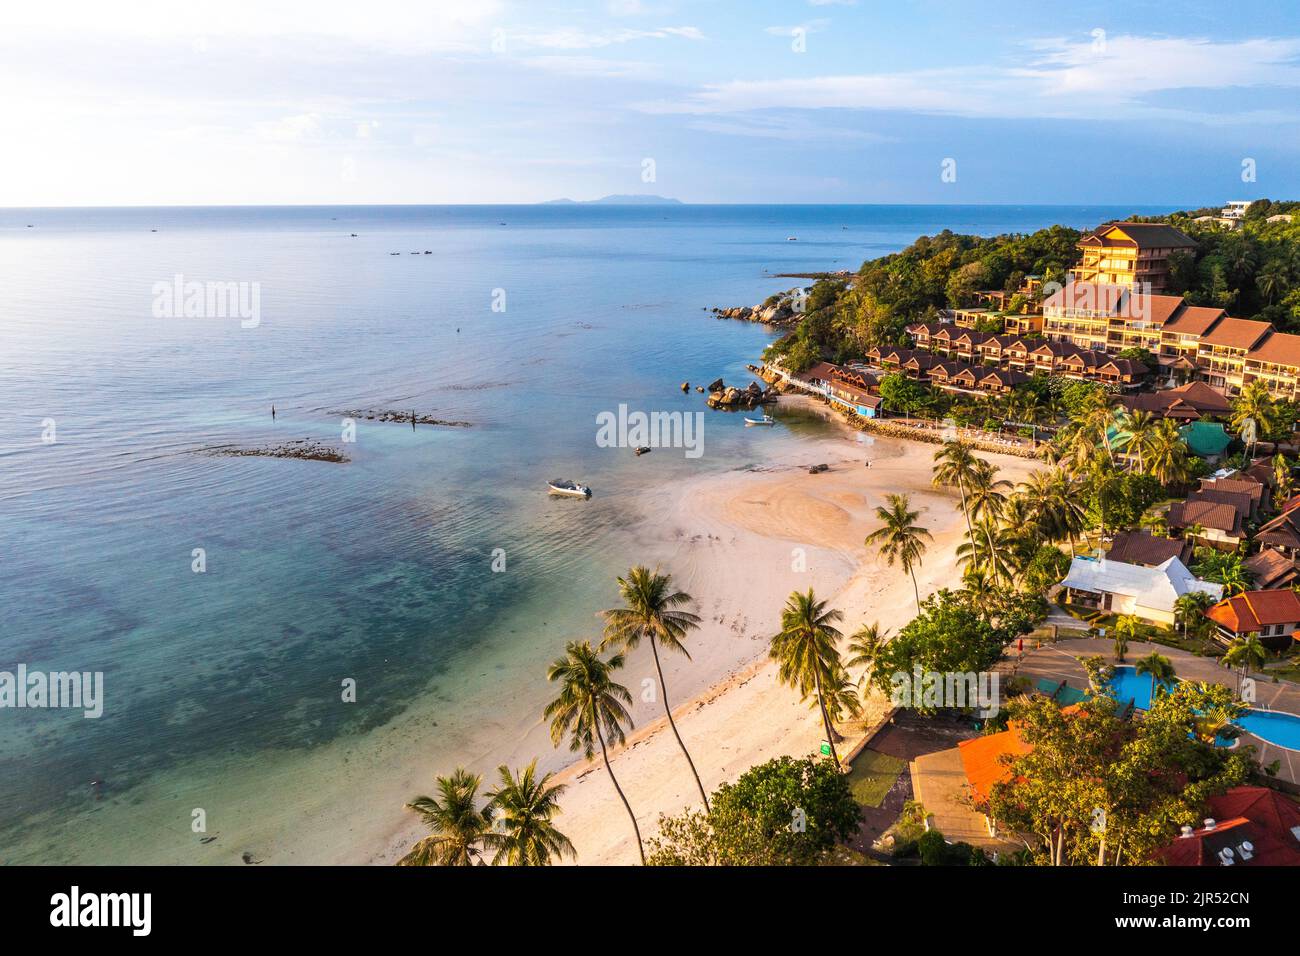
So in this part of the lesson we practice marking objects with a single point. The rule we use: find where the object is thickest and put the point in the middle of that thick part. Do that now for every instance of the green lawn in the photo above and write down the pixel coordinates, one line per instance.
(872, 775)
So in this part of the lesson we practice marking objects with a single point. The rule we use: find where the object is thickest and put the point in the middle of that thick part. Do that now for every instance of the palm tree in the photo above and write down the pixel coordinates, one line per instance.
(841, 695)
(900, 538)
(865, 644)
(1191, 606)
(1271, 279)
(590, 706)
(523, 808)
(652, 612)
(1166, 454)
(1256, 403)
(1127, 628)
(954, 464)
(1096, 418)
(1158, 666)
(456, 822)
(988, 497)
(1245, 653)
(805, 650)
(1141, 427)
(1281, 478)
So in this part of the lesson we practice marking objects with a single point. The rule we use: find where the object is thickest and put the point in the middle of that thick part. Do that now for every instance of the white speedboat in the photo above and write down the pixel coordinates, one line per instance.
(791, 238)
(765, 420)
(562, 486)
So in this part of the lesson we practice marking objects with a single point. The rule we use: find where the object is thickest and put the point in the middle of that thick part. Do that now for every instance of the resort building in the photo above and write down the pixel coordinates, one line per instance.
(1271, 615)
(1116, 587)
(1186, 403)
(1247, 826)
(1281, 533)
(1132, 254)
(1216, 523)
(1144, 549)
(1256, 493)
(1272, 569)
(1021, 355)
(1221, 352)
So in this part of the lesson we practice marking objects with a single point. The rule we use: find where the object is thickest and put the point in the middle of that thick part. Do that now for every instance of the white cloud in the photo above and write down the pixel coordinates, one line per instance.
(572, 38)
(1057, 79)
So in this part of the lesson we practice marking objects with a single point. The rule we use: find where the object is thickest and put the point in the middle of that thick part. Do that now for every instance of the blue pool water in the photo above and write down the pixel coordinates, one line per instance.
(1280, 729)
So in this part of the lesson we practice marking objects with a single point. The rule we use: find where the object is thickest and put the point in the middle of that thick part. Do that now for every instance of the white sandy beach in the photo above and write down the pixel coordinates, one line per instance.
(732, 541)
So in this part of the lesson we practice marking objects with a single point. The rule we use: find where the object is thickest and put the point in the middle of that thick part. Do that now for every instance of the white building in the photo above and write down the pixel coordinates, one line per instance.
(1118, 588)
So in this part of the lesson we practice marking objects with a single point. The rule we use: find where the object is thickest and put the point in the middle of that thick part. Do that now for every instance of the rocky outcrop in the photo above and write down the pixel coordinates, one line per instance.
(729, 396)
(783, 310)
(303, 449)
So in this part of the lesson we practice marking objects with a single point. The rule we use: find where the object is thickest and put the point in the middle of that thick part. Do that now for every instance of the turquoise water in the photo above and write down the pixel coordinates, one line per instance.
(223, 687)
(1274, 727)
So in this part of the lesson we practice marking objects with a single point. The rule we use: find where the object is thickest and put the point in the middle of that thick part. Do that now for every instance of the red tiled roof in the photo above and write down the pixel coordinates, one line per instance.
(1263, 818)
(1237, 333)
(1244, 613)
(1279, 349)
(1194, 320)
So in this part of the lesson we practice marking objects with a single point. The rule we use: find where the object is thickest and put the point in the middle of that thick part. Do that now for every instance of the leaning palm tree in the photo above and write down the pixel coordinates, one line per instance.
(1167, 454)
(1245, 653)
(523, 809)
(590, 706)
(805, 649)
(653, 612)
(457, 823)
(900, 538)
(954, 464)
(1158, 666)
(841, 696)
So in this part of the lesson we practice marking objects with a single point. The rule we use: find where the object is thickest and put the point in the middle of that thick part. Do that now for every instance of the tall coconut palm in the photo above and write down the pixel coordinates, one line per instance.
(900, 538)
(988, 500)
(806, 651)
(1158, 666)
(1245, 653)
(954, 464)
(653, 611)
(590, 706)
(457, 823)
(523, 809)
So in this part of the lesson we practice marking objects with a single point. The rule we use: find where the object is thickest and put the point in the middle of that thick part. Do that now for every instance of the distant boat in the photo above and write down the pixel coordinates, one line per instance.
(765, 420)
(563, 486)
(791, 238)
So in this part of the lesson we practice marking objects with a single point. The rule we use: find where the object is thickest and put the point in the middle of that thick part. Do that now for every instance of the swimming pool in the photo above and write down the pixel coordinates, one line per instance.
(1276, 727)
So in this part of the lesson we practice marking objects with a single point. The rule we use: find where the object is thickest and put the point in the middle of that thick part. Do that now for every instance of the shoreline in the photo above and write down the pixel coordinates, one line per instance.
(728, 705)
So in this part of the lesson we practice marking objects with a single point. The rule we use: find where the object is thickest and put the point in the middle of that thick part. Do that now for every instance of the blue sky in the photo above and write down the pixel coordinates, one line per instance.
(332, 101)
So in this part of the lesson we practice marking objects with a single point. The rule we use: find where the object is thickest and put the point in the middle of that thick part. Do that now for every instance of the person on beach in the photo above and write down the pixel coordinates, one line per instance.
(413, 419)
(272, 413)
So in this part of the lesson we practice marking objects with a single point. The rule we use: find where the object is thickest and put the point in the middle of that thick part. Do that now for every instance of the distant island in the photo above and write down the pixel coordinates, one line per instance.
(629, 199)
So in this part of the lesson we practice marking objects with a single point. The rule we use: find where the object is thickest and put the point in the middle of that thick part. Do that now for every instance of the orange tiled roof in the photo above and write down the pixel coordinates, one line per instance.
(1253, 610)
(1279, 349)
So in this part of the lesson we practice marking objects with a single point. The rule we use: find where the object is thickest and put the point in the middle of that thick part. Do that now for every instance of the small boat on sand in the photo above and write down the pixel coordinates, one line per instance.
(563, 486)
(765, 420)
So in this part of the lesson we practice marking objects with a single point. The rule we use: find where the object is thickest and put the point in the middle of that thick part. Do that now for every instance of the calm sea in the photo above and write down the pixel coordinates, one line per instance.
(378, 571)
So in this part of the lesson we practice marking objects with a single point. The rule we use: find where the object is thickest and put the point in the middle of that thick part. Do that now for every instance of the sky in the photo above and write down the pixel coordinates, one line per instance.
(188, 102)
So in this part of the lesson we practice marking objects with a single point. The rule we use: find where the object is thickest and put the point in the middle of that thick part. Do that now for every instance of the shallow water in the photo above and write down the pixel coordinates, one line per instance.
(224, 686)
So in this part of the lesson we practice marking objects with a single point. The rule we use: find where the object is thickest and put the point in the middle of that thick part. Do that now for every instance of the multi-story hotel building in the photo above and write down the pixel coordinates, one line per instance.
(1131, 254)
(1188, 341)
